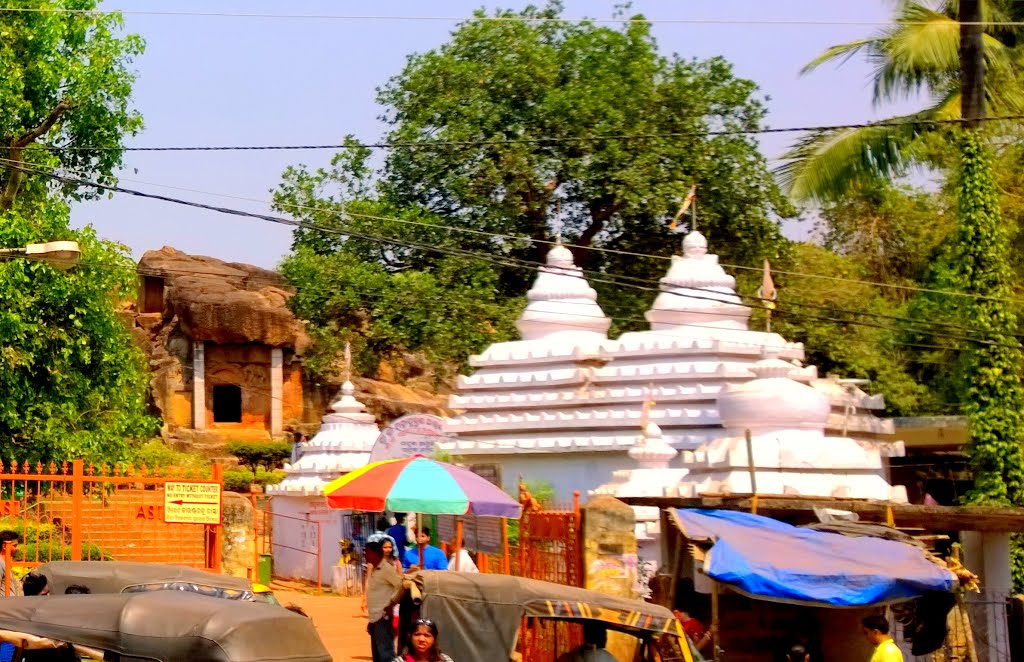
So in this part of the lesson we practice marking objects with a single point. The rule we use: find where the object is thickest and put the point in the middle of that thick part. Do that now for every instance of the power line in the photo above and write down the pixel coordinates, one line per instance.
(546, 242)
(498, 19)
(551, 140)
(507, 262)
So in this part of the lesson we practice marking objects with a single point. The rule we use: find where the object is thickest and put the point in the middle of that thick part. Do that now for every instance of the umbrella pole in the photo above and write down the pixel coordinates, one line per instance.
(419, 531)
(458, 543)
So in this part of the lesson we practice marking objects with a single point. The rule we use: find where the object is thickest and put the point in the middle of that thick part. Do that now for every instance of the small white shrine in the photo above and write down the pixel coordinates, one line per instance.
(565, 403)
(343, 444)
(790, 452)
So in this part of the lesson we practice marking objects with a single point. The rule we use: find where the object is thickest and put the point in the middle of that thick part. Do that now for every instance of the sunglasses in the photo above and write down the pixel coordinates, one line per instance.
(424, 621)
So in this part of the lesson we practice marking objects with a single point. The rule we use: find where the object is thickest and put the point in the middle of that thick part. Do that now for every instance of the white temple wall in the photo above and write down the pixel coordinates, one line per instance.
(565, 471)
(295, 537)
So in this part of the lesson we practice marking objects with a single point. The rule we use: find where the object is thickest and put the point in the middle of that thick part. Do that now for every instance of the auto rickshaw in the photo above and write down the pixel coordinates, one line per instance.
(490, 617)
(166, 626)
(130, 577)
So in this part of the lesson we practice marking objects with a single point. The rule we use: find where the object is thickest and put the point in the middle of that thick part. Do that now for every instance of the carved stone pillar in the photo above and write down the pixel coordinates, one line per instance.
(199, 385)
(276, 391)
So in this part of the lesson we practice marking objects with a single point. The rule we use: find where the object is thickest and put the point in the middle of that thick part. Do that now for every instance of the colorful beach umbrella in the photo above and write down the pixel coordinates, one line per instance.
(419, 485)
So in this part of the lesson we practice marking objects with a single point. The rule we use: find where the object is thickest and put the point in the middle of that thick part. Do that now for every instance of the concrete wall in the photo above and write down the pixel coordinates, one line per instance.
(295, 537)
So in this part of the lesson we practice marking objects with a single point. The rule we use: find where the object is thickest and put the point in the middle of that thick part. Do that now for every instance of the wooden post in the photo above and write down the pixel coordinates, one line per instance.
(215, 531)
(8, 569)
(753, 472)
(715, 636)
(458, 542)
(77, 499)
(506, 561)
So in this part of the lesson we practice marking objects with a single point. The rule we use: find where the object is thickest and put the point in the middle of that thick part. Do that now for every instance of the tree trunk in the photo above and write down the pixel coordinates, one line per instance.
(972, 64)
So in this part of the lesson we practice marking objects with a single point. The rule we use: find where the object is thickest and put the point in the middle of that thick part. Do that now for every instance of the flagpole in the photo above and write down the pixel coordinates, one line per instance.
(693, 215)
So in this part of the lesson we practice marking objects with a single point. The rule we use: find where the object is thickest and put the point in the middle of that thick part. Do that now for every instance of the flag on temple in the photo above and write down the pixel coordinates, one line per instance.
(690, 197)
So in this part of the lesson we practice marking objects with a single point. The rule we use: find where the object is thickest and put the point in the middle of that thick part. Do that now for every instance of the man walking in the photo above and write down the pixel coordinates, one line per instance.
(8, 547)
(433, 557)
(876, 631)
(383, 591)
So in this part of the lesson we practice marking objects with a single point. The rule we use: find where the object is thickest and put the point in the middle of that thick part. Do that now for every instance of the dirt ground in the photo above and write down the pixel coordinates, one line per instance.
(341, 624)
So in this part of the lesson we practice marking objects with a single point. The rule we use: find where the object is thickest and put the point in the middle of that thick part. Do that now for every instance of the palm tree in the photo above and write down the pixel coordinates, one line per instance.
(919, 53)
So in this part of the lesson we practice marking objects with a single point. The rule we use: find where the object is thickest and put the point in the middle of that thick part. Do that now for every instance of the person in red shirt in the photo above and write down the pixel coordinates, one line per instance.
(694, 629)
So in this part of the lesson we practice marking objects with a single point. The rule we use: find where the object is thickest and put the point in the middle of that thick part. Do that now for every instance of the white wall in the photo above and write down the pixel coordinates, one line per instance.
(295, 537)
(566, 471)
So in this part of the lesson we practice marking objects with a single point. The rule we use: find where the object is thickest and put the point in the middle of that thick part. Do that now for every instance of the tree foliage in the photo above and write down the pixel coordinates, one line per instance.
(917, 53)
(993, 396)
(494, 131)
(67, 83)
(493, 153)
(74, 382)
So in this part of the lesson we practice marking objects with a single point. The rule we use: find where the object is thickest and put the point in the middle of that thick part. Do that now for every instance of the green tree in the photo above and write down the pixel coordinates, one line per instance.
(67, 84)
(918, 53)
(74, 383)
(493, 132)
(444, 313)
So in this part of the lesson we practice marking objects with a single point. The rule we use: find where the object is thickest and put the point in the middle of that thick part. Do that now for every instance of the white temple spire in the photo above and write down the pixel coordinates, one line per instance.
(562, 302)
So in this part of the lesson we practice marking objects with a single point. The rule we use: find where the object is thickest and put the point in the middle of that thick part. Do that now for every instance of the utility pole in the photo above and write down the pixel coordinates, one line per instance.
(972, 64)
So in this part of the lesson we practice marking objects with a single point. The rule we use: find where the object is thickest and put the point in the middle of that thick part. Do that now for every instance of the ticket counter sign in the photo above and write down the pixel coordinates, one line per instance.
(192, 502)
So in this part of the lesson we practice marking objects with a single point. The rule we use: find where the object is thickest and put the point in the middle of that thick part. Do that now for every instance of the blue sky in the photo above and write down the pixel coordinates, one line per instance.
(230, 80)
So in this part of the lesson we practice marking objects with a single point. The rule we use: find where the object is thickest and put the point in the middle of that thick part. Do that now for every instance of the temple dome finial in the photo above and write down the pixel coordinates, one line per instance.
(562, 302)
(695, 245)
(696, 292)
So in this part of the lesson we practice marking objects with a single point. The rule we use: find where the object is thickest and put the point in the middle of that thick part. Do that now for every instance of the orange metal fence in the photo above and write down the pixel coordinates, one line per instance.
(75, 511)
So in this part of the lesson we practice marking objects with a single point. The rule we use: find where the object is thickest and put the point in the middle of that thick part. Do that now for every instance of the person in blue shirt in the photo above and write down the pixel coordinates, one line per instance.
(399, 534)
(433, 557)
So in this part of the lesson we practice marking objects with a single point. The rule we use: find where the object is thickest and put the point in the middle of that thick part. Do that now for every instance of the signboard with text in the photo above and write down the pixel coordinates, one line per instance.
(191, 502)
(413, 434)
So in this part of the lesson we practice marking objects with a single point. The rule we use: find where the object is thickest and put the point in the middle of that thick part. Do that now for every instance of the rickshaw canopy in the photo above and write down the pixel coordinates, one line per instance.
(125, 576)
(163, 625)
(479, 615)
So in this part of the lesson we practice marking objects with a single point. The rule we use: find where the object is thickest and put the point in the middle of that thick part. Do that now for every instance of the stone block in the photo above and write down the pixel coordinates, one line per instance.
(149, 321)
(238, 541)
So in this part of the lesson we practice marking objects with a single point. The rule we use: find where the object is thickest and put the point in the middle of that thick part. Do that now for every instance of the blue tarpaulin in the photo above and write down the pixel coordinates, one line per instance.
(772, 560)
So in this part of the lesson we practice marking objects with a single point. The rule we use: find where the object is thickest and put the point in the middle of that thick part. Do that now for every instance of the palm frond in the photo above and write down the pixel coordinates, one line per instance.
(842, 52)
(823, 165)
(916, 53)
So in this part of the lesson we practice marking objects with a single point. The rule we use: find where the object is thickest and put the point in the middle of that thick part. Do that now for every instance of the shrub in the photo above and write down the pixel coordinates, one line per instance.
(269, 455)
(239, 480)
(44, 542)
(155, 453)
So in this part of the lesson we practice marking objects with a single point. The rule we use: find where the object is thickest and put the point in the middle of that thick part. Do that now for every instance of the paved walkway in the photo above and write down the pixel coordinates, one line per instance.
(341, 624)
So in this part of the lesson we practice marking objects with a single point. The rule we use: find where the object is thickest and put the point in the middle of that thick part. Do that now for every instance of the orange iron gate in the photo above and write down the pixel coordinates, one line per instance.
(78, 511)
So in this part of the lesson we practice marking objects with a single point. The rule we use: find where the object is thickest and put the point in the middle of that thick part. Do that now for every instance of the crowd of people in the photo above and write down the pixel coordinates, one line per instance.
(390, 552)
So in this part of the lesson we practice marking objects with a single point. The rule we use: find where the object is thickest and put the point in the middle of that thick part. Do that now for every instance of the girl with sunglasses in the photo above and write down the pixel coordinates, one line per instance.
(422, 644)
